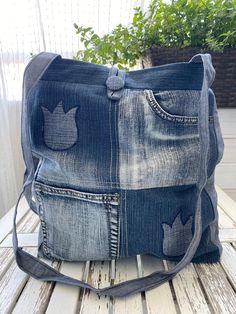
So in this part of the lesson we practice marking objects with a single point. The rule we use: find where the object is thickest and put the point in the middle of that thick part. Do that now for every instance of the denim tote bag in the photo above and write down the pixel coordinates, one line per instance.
(120, 163)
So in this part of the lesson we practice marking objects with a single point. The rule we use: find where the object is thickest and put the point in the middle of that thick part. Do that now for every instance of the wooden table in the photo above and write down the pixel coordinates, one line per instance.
(202, 288)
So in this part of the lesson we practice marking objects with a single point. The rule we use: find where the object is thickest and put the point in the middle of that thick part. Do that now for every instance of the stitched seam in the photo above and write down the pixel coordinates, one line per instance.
(77, 194)
(117, 176)
(46, 249)
(110, 141)
(102, 186)
(165, 115)
(126, 230)
(109, 227)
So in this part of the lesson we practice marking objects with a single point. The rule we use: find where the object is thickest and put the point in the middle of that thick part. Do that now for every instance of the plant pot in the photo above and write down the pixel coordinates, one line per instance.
(224, 85)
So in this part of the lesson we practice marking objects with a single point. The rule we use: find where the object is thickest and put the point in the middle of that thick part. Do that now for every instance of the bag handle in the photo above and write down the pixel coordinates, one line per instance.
(39, 269)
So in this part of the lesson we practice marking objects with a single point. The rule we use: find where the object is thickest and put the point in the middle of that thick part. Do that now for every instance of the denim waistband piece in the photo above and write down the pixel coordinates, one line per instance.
(169, 76)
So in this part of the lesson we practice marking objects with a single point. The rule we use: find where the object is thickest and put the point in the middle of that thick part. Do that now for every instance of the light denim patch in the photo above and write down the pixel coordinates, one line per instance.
(177, 236)
(59, 129)
(157, 148)
(77, 225)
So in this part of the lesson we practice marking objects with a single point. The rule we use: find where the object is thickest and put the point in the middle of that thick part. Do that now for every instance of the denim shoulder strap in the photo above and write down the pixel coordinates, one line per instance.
(32, 74)
(40, 270)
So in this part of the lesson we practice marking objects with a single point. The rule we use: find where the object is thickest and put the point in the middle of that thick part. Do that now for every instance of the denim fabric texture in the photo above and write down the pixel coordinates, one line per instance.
(141, 147)
(120, 163)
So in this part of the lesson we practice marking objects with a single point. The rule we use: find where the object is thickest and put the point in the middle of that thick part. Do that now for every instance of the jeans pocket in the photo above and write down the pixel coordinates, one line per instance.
(179, 106)
(77, 225)
(158, 148)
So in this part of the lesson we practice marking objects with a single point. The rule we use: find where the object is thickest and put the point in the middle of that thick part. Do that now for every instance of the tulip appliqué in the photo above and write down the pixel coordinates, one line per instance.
(177, 236)
(60, 130)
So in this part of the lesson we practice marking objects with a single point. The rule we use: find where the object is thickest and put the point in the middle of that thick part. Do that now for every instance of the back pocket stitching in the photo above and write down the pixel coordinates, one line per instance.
(109, 200)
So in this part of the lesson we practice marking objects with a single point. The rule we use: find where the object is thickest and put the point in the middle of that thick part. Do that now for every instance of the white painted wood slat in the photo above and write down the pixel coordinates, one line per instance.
(99, 276)
(6, 221)
(160, 298)
(217, 288)
(188, 291)
(24, 239)
(65, 298)
(36, 294)
(127, 269)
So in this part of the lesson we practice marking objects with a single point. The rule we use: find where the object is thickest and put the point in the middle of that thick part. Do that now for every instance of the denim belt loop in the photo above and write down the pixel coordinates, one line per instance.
(115, 83)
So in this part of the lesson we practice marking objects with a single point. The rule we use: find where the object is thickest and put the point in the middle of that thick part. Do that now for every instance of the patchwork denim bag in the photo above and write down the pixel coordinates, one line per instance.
(120, 163)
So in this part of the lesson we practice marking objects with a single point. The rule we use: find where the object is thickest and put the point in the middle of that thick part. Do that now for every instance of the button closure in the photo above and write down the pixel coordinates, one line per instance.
(115, 83)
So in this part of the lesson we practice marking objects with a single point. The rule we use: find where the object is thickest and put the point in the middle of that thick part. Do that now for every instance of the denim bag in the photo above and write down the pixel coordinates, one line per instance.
(120, 163)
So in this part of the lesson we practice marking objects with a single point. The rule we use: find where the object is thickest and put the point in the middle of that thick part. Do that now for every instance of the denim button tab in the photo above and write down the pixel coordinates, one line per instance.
(115, 83)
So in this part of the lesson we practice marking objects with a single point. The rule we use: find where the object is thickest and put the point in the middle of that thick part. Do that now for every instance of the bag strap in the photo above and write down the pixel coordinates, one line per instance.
(39, 269)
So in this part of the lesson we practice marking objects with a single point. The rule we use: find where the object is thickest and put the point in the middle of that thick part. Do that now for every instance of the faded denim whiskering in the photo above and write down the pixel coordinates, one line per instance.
(117, 159)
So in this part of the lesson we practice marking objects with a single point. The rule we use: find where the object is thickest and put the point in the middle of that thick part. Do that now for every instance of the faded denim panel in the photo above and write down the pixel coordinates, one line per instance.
(74, 133)
(77, 225)
(155, 150)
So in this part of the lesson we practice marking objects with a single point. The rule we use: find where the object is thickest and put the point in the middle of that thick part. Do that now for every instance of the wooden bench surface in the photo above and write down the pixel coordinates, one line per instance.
(201, 288)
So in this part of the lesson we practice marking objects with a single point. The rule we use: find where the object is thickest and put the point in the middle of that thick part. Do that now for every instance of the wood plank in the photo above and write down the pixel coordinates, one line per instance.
(227, 235)
(99, 277)
(36, 294)
(231, 193)
(160, 295)
(24, 239)
(226, 203)
(217, 288)
(189, 294)
(28, 224)
(6, 221)
(65, 298)
(224, 220)
(225, 175)
(228, 261)
(229, 155)
(11, 285)
(126, 269)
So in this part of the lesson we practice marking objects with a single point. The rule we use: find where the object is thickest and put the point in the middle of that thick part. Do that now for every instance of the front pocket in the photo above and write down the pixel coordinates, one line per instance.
(177, 106)
(77, 225)
(154, 151)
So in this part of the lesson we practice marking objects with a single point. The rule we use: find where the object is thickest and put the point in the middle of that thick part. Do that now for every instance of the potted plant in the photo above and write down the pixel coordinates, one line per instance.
(172, 32)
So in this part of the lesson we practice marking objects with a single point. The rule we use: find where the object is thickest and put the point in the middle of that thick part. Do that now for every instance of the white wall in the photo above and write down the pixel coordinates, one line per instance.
(226, 170)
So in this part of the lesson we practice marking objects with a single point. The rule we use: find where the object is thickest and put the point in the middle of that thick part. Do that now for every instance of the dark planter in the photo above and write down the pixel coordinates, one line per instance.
(224, 63)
